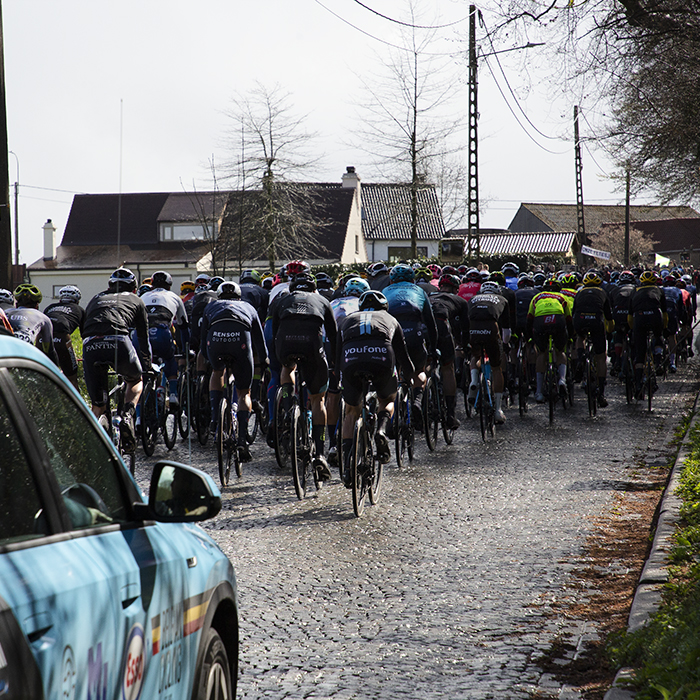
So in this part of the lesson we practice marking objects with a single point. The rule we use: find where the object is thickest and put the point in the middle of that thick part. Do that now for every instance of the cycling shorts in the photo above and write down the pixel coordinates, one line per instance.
(644, 322)
(66, 355)
(415, 336)
(299, 344)
(550, 324)
(485, 334)
(384, 380)
(230, 341)
(586, 323)
(99, 352)
(162, 347)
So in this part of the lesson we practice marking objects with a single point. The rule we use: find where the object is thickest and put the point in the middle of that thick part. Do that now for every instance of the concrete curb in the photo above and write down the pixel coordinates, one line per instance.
(655, 573)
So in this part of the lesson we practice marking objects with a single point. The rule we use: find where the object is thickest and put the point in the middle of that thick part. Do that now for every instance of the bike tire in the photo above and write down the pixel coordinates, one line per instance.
(399, 426)
(360, 484)
(651, 377)
(522, 387)
(551, 389)
(253, 427)
(297, 452)
(169, 428)
(431, 413)
(482, 400)
(591, 379)
(339, 437)
(375, 482)
(468, 408)
(149, 419)
(225, 444)
(448, 434)
(264, 417)
(183, 416)
(282, 446)
(203, 409)
(629, 381)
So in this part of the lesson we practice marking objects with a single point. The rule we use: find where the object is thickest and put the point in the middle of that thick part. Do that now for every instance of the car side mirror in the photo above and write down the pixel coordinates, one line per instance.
(180, 494)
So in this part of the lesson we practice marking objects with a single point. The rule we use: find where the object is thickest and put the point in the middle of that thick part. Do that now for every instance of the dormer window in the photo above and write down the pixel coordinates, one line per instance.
(185, 232)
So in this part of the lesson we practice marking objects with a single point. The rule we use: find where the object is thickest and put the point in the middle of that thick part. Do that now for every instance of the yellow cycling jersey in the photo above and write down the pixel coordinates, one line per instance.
(548, 303)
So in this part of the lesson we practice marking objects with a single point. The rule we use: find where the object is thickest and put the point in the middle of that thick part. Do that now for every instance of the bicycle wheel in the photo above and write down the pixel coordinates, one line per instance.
(591, 380)
(522, 386)
(264, 417)
(339, 436)
(299, 452)
(183, 416)
(447, 433)
(628, 370)
(400, 426)
(551, 389)
(149, 419)
(253, 426)
(650, 377)
(431, 413)
(169, 427)
(483, 400)
(375, 481)
(465, 390)
(226, 446)
(203, 409)
(361, 464)
(282, 446)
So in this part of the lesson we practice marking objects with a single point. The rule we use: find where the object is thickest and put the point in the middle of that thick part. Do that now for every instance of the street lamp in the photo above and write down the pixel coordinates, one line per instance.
(16, 211)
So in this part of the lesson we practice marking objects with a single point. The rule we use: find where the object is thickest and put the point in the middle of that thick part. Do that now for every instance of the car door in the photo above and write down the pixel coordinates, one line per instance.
(140, 577)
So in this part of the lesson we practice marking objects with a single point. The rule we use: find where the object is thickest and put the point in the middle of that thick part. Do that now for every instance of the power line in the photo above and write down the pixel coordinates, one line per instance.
(407, 24)
(376, 38)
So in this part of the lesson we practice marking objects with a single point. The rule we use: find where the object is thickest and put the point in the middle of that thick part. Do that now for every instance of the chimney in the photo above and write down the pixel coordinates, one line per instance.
(49, 240)
(351, 179)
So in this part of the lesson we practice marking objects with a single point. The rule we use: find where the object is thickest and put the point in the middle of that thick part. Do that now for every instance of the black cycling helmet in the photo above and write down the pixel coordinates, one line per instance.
(122, 280)
(228, 290)
(324, 281)
(161, 280)
(214, 283)
(498, 277)
(372, 300)
(303, 282)
(143, 289)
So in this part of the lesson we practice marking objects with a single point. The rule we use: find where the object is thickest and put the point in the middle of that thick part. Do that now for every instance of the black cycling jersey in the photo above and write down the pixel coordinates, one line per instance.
(116, 313)
(65, 316)
(647, 298)
(489, 307)
(234, 310)
(452, 308)
(199, 303)
(592, 300)
(523, 297)
(257, 296)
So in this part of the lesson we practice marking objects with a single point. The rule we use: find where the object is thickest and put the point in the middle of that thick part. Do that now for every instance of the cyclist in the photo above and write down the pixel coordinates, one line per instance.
(378, 276)
(409, 305)
(489, 328)
(231, 329)
(511, 271)
(187, 289)
(620, 302)
(109, 318)
(685, 333)
(254, 293)
(297, 323)
(30, 324)
(550, 315)
(7, 301)
(203, 295)
(471, 283)
(675, 311)
(166, 309)
(370, 342)
(346, 304)
(647, 312)
(592, 315)
(324, 284)
(452, 319)
(66, 315)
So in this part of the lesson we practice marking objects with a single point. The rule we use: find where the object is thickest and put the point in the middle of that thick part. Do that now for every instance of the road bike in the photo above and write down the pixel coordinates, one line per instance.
(202, 405)
(404, 432)
(156, 412)
(485, 403)
(649, 383)
(430, 407)
(551, 382)
(522, 368)
(259, 417)
(186, 391)
(627, 364)
(227, 429)
(366, 469)
(590, 376)
(113, 417)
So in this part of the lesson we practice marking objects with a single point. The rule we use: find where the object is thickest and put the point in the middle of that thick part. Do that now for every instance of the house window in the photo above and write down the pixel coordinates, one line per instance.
(396, 253)
(185, 232)
(357, 244)
(56, 289)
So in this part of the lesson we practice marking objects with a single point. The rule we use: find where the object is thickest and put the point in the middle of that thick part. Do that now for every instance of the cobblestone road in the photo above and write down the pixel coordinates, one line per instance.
(444, 589)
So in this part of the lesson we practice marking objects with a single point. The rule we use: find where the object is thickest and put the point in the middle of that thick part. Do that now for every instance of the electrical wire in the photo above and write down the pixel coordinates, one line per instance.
(407, 24)
(515, 116)
(376, 38)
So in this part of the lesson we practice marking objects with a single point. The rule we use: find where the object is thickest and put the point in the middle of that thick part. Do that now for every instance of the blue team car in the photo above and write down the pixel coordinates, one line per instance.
(102, 596)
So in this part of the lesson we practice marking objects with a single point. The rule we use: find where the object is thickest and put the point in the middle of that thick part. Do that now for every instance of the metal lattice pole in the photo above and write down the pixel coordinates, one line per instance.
(473, 243)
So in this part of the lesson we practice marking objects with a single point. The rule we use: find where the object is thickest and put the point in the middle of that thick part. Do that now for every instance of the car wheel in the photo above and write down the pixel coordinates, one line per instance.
(214, 675)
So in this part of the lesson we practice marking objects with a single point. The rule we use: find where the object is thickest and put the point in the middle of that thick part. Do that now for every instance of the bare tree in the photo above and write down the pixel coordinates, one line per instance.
(270, 216)
(409, 128)
(612, 240)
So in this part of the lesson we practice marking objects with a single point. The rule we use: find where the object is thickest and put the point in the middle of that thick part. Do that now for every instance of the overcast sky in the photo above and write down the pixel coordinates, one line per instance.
(132, 96)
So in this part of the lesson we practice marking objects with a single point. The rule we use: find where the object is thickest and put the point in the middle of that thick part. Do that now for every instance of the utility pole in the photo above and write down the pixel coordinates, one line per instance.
(581, 234)
(5, 227)
(473, 244)
(627, 217)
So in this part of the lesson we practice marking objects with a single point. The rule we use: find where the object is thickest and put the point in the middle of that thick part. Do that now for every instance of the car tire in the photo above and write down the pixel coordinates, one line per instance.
(214, 674)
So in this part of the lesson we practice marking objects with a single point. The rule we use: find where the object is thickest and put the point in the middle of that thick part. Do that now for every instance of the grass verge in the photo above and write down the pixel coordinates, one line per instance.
(666, 653)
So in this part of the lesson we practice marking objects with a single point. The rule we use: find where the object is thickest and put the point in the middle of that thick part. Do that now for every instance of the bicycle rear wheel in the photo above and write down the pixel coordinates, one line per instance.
(483, 400)
(299, 452)
(183, 416)
(522, 386)
(361, 465)
(551, 389)
(400, 420)
(203, 409)
(628, 370)
(169, 426)
(149, 419)
(226, 446)
(375, 483)
(431, 413)
(650, 377)
(591, 380)
(465, 390)
(447, 433)
(282, 437)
